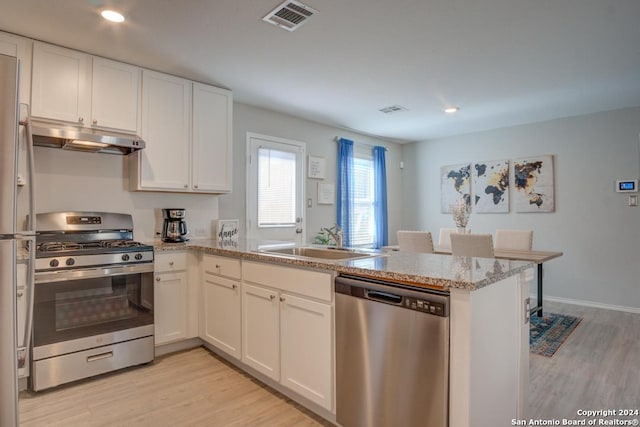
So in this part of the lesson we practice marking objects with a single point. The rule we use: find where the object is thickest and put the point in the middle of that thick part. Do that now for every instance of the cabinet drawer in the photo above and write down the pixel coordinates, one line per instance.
(314, 284)
(170, 261)
(222, 266)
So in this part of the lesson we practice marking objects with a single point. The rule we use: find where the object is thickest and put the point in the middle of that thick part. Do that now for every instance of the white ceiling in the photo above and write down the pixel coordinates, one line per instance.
(503, 62)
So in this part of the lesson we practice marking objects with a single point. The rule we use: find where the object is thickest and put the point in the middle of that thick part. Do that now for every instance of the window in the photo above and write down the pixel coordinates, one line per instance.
(363, 218)
(362, 194)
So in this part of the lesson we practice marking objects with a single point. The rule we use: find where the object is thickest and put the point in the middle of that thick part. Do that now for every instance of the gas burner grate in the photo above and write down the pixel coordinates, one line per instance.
(58, 246)
(121, 244)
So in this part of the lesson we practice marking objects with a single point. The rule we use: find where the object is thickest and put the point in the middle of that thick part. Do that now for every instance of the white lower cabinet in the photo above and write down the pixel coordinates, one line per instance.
(287, 334)
(170, 307)
(261, 330)
(305, 346)
(171, 298)
(221, 318)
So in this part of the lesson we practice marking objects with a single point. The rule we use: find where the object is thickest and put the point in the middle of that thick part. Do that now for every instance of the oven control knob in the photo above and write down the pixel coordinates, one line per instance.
(125, 257)
(54, 263)
(70, 261)
(138, 257)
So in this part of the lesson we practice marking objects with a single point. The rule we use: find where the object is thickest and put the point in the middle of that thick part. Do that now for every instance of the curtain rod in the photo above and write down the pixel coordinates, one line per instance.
(337, 138)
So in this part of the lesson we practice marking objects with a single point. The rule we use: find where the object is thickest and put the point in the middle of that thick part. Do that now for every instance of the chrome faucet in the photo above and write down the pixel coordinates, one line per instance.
(337, 236)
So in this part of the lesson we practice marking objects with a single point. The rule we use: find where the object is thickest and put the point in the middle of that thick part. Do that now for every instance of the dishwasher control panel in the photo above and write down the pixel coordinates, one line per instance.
(431, 307)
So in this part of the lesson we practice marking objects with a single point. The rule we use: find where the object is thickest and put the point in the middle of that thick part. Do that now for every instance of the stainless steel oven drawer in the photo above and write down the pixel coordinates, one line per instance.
(74, 366)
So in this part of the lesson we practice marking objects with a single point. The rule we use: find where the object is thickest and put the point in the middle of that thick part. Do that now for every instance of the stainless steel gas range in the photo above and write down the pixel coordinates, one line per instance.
(93, 299)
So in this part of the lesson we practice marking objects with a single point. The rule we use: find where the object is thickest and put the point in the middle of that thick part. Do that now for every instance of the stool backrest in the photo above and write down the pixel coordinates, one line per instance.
(473, 245)
(415, 241)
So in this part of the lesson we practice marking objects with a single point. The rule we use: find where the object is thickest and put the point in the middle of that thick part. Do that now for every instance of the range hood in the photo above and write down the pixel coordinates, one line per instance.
(84, 139)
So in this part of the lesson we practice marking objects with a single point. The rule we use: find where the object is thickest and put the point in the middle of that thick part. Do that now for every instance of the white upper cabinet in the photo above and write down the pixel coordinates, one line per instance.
(166, 129)
(187, 130)
(212, 124)
(115, 95)
(60, 86)
(20, 48)
(74, 87)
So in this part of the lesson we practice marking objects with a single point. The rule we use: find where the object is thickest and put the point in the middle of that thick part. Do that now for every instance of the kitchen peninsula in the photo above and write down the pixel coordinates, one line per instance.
(488, 335)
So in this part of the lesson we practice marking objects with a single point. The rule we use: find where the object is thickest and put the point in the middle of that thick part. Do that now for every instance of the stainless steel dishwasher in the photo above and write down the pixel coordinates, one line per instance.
(392, 354)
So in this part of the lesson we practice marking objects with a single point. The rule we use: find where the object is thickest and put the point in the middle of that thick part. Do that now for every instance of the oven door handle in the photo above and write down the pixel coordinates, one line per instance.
(90, 273)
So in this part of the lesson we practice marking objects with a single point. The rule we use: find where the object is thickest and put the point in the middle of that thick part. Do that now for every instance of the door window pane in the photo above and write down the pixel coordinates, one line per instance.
(276, 188)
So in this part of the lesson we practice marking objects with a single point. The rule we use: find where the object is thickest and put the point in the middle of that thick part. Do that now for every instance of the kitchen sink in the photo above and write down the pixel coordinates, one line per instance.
(335, 254)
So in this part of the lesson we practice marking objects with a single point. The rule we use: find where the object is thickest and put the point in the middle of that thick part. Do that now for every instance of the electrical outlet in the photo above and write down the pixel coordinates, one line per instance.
(200, 232)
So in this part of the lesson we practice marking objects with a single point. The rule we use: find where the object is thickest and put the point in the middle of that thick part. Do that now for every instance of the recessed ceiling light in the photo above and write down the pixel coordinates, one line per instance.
(112, 15)
(451, 110)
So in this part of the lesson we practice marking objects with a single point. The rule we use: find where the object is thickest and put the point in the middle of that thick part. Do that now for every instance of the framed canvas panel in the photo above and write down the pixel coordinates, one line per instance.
(533, 184)
(227, 232)
(490, 186)
(455, 184)
(316, 167)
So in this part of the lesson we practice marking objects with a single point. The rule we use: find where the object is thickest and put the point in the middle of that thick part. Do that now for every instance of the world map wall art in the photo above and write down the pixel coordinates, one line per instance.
(485, 186)
(533, 184)
(491, 186)
(455, 184)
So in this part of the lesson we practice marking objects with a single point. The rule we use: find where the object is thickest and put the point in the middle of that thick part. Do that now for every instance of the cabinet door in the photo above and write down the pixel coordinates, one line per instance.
(166, 124)
(60, 86)
(170, 307)
(115, 95)
(212, 142)
(221, 314)
(260, 330)
(306, 350)
(20, 48)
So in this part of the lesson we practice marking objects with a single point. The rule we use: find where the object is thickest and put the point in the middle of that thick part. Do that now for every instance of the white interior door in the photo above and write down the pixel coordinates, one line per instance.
(275, 189)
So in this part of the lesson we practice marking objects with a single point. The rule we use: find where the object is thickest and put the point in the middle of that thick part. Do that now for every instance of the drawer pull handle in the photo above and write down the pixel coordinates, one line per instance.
(157, 279)
(234, 286)
(272, 297)
(20, 294)
(171, 263)
(218, 266)
(101, 356)
(282, 299)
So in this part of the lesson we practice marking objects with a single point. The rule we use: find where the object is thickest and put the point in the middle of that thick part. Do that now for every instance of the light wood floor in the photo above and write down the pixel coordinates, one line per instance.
(598, 367)
(190, 388)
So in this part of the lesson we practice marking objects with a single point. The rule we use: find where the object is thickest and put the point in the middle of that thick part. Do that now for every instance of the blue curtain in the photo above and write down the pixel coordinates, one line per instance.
(345, 188)
(380, 230)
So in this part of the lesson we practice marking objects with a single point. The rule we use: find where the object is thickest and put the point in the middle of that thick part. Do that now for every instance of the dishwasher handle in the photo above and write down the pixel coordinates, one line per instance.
(384, 297)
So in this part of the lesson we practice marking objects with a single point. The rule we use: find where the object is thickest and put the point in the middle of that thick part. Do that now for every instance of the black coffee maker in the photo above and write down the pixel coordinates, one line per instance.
(174, 228)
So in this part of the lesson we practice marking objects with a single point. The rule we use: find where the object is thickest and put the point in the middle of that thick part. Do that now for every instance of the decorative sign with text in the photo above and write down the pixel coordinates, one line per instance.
(227, 231)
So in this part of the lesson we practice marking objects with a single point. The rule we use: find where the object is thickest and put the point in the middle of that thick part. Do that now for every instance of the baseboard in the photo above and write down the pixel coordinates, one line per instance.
(163, 349)
(584, 303)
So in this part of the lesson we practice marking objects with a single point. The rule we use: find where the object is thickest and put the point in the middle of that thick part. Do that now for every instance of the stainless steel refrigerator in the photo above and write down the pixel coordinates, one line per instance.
(17, 237)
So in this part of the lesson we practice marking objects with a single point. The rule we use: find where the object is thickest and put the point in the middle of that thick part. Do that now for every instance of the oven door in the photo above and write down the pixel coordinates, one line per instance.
(85, 308)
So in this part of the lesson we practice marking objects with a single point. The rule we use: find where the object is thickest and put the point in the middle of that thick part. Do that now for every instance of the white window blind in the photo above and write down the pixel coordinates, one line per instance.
(362, 221)
(276, 188)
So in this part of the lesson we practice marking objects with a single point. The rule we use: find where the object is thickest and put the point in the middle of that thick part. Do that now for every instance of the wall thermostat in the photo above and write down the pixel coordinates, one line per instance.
(627, 186)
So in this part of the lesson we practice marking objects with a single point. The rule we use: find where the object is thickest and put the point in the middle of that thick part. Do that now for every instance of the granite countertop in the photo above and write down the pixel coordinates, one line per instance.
(426, 270)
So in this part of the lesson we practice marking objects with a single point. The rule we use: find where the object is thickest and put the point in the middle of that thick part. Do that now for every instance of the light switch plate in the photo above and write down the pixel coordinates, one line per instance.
(309, 203)
(633, 200)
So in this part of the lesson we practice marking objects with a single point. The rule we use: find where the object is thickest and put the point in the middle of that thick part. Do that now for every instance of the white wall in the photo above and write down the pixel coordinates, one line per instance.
(72, 180)
(320, 140)
(598, 233)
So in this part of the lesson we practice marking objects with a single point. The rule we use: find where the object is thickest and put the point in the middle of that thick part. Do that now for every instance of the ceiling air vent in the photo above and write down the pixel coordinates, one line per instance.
(290, 15)
(393, 109)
